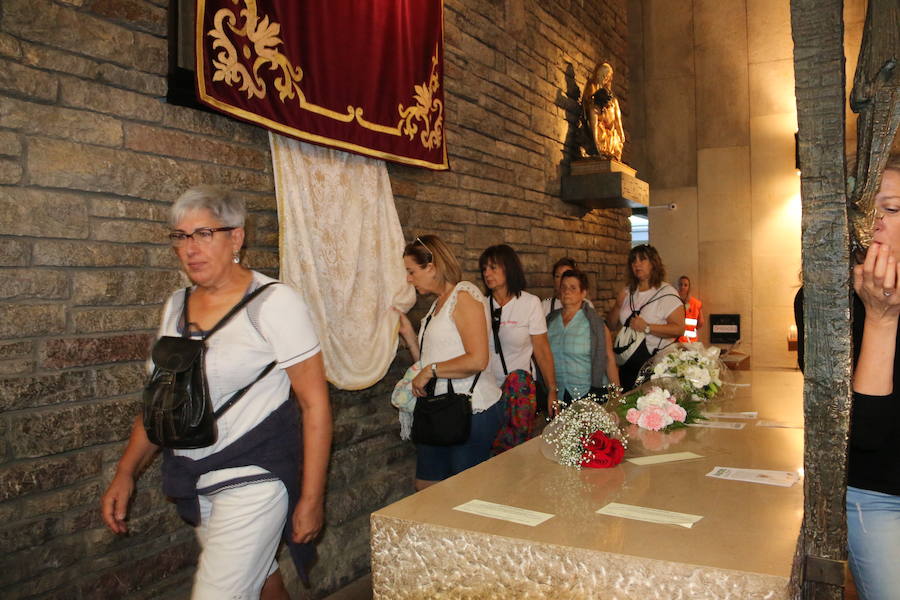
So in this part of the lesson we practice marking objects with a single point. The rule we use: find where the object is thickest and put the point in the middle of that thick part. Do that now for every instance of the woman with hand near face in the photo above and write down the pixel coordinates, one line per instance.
(452, 344)
(649, 306)
(873, 466)
(580, 341)
(242, 493)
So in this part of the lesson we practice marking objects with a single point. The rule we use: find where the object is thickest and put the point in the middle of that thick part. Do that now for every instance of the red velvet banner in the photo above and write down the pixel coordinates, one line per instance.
(364, 76)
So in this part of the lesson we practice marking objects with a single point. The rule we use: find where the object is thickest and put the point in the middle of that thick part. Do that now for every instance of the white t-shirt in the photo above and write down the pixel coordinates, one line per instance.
(655, 312)
(548, 305)
(520, 318)
(274, 326)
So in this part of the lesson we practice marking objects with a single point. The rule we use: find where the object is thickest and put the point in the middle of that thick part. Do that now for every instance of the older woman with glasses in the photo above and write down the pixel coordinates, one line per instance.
(243, 492)
(452, 344)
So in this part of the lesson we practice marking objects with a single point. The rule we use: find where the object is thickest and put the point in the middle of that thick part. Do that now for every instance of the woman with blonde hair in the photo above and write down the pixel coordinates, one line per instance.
(452, 344)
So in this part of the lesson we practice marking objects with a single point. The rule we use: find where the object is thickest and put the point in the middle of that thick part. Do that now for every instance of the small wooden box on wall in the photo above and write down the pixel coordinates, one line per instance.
(603, 183)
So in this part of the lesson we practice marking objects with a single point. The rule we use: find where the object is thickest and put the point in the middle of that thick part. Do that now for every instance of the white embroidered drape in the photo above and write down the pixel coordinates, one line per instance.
(341, 247)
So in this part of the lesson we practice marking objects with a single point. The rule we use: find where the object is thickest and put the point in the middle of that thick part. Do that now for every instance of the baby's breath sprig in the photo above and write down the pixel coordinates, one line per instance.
(575, 424)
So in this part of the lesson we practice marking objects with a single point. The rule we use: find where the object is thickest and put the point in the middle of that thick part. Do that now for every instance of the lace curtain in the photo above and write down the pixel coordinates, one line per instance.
(341, 246)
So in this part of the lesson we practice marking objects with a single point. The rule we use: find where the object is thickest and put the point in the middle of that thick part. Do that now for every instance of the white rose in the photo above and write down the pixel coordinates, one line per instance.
(698, 376)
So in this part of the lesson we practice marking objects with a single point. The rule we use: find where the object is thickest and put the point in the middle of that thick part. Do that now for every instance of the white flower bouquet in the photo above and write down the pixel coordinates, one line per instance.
(698, 368)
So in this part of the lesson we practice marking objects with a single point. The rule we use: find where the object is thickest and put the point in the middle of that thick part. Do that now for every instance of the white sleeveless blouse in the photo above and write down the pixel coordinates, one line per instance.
(441, 341)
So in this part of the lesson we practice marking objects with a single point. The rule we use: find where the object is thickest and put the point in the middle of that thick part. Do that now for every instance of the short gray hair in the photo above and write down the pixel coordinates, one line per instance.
(224, 205)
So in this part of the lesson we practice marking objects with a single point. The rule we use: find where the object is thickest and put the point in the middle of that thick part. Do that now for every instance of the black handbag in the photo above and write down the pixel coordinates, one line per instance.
(177, 408)
(443, 420)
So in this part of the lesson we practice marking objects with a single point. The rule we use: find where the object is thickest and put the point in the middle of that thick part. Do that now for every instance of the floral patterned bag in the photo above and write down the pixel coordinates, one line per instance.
(520, 394)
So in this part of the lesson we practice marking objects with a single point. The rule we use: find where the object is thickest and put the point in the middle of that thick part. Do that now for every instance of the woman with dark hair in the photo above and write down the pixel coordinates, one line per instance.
(452, 344)
(580, 343)
(566, 263)
(648, 309)
(517, 323)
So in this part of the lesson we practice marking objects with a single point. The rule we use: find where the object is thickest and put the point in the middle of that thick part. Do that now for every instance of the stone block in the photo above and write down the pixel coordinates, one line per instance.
(65, 253)
(671, 136)
(16, 349)
(106, 319)
(61, 27)
(120, 208)
(75, 125)
(123, 287)
(119, 380)
(723, 194)
(76, 352)
(10, 144)
(14, 253)
(130, 232)
(17, 393)
(769, 31)
(668, 33)
(772, 88)
(10, 171)
(51, 59)
(67, 427)
(723, 110)
(133, 14)
(21, 284)
(674, 233)
(169, 142)
(42, 213)
(79, 93)
(163, 258)
(21, 80)
(134, 574)
(29, 320)
(10, 46)
(261, 259)
(25, 477)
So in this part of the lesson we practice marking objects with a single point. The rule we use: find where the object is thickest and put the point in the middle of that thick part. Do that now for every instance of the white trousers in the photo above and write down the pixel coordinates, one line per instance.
(239, 532)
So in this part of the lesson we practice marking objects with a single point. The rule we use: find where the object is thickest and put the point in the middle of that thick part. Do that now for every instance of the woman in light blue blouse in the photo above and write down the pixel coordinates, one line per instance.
(581, 344)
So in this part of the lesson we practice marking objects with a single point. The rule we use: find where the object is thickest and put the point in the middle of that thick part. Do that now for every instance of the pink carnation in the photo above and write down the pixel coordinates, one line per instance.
(653, 419)
(632, 415)
(677, 412)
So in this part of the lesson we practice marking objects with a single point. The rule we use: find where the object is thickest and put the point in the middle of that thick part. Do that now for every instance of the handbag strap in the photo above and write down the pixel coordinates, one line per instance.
(241, 392)
(433, 381)
(234, 309)
(495, 327)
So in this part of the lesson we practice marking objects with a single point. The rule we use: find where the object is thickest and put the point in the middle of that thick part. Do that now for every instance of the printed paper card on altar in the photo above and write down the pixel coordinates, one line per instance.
(503, 512)
(651, 515)
(364, 77)
(779, 478)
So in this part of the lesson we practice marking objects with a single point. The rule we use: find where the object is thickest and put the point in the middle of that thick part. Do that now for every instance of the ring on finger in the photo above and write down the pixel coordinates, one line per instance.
(887, 292)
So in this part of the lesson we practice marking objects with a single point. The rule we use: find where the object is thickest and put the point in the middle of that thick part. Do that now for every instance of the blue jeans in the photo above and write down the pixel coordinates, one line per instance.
(436, 463)
(873, 537)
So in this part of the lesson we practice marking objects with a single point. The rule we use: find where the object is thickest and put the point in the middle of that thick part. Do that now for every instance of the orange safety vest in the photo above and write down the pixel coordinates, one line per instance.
(691, 317)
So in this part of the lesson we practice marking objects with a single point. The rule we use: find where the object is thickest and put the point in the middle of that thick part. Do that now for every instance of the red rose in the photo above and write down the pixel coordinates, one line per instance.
(601, 451)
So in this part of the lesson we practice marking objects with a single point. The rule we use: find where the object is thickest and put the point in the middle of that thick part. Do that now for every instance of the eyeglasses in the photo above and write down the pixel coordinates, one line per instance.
(428, 251)
(203, 235)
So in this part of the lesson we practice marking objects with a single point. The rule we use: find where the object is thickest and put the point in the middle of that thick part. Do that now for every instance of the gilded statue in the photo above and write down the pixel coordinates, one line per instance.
(602, 117)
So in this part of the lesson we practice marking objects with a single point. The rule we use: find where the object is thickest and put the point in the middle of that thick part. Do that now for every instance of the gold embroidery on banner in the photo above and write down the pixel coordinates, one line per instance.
(263, 37)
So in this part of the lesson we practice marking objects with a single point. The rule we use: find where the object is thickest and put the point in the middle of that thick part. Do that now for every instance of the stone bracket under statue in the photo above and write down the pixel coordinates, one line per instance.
(597, 182)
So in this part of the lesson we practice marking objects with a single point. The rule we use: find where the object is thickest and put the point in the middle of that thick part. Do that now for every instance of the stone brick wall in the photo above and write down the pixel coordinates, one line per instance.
(90, 157)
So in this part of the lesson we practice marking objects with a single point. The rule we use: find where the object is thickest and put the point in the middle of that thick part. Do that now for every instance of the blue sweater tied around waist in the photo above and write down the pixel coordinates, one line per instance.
(274, 445)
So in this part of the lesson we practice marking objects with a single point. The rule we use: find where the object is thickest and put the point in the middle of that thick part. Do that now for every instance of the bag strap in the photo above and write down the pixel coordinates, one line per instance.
(241, 392)
(433, 382)
(495, 327)
(234, 310)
